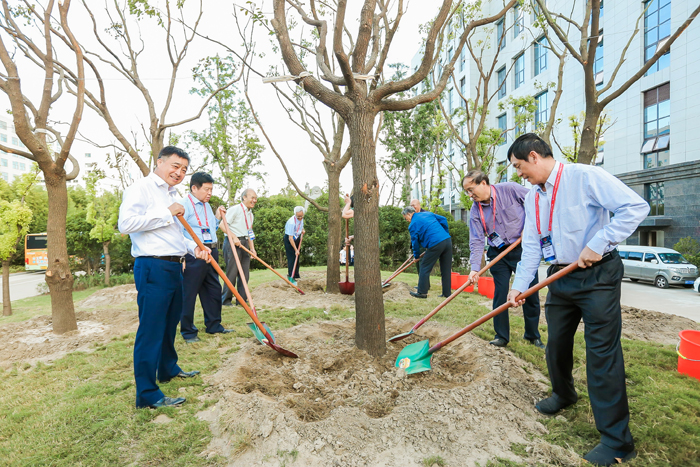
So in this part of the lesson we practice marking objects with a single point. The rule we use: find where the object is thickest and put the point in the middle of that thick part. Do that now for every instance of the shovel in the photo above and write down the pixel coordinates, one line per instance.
(301, 240)
(415, 358)
(406, 264)
(455, 293)
(271, 269)
(347, 287)
(268, 338)
(258, 335)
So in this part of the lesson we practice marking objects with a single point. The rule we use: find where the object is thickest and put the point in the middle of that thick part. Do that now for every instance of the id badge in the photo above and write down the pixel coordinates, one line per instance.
(547, 248)
(496, 240)
(251, 235)
(206, 235)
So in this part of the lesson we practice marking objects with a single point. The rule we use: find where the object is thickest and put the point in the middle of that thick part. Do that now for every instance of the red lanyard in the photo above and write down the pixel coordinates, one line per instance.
(297, 229)
(206, 218)
(245, 216)
(554, 199)
(493, 206)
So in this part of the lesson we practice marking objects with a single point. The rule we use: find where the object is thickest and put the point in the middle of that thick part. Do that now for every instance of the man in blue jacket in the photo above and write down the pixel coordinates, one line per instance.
(430, 231)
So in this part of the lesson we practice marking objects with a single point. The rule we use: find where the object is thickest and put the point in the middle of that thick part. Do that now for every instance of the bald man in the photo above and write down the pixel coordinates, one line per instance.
(415, 204)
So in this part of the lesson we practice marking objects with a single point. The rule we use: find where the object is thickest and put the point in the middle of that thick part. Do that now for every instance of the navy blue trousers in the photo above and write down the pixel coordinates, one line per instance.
(443, 252)
(501, 273)
(201, 279)
(591, 294)
(159, 286)
(291, 255)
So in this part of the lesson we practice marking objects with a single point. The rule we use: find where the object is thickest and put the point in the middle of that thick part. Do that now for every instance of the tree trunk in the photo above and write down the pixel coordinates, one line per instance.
(105, 248)
(406, 191)
(58, 275)
(88, 269)
(587, 152)
(334, 232)
(370, 334)
(6, 304)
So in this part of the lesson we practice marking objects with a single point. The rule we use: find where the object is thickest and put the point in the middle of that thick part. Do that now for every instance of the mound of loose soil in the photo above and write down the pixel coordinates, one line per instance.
(34, 341)
(279, 294)
(110, 296)
(337, 406)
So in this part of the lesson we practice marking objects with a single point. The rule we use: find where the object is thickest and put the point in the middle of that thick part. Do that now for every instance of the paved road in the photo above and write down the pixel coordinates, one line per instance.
(23, 284)
(674, 300)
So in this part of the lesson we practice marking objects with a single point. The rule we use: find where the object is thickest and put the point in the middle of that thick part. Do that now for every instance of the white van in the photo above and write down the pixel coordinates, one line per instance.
(662, 266)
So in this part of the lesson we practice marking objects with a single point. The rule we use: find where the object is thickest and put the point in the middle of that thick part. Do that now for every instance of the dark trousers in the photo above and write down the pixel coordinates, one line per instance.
(501, 273)
(201, 279)
(291, 255)
(443, 252)
(591, 294)
(159, 286)
(232, 271)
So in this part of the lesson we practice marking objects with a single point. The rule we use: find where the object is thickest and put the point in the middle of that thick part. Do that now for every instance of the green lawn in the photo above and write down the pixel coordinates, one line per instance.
(80, 410)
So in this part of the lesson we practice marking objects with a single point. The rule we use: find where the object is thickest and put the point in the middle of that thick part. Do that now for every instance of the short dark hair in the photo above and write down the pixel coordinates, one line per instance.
(168, 151)
(525, 144)
(200, 178)
(477, 176)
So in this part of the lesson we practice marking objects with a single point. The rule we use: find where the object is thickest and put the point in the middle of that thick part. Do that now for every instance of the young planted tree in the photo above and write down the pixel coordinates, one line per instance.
(33, 127)
(586, 34)
(361, 58)
(230, 143)
(15, 217)
(102, 214)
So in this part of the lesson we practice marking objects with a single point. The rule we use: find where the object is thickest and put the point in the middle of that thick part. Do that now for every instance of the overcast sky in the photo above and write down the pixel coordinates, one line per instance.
(303, 160)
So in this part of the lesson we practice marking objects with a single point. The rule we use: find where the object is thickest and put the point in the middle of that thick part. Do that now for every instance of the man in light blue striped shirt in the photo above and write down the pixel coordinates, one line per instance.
(568, 219)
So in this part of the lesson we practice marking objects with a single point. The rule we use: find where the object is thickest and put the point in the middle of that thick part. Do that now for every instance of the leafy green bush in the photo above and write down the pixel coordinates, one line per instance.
(690, 249)
(395, 241)
(98, 280)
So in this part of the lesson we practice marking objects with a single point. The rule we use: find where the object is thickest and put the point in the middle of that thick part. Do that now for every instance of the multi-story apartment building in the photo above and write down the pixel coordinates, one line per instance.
(11, 165)
(650, 145)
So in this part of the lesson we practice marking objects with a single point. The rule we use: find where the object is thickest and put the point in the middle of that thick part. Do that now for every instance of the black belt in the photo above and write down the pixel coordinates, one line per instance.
(172, 259)
(610, 255)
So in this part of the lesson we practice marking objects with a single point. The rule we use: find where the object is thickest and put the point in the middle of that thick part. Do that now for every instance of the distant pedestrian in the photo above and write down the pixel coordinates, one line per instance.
(293, 230)
(352, 255)
(415, 204)
(240, 222)
(430, 231)
(342, 257)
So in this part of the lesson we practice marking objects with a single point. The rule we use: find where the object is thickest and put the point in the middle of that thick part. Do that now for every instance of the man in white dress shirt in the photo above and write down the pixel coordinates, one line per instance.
(240, 222)
(147, 215)
(567, 220)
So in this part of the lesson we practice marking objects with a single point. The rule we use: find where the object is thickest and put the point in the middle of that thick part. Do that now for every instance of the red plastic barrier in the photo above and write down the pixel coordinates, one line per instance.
(689, 353)
(486, 287)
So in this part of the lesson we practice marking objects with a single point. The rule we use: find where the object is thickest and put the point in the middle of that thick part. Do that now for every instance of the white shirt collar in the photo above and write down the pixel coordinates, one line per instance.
(549, 184)
(162, 183)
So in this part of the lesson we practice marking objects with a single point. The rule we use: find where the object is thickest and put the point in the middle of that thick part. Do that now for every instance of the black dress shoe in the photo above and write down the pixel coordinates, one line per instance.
(227, 304)
(604, 455)
(536, 342)
(552, 405)
(225, 331)
(183, 374)
(498, 342)
(443, 296)
(192, 340)
(419, 295)
(167, 402)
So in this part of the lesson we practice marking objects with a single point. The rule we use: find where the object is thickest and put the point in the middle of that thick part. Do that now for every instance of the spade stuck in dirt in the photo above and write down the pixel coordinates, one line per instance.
(415, 358)
(406, 264)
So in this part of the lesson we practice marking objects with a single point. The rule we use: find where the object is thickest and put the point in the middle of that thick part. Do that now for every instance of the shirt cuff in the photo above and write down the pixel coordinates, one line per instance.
(520, 285)
(167, 216)
(476, 266)
(597, 244)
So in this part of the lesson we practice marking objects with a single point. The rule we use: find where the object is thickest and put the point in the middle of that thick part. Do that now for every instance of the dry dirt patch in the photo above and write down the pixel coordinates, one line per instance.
(337, 406)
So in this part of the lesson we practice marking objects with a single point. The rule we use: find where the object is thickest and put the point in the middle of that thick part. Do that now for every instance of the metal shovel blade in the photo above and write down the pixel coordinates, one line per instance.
(258, 334)
(415, 358)
(385, 285)
(399, 337)
(347, 288)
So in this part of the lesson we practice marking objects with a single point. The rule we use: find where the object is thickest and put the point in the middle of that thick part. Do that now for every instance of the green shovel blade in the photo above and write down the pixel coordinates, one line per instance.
(258, 334)
(415, 358)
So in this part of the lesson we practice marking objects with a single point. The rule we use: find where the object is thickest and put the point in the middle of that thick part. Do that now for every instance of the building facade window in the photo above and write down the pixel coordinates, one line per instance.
(3, 125)
(520, 126)
(501, 82)
(15, 165)
(3, 162)
(3, 138)
(502, 172)
(503, 126)
(542, 112)
(462, 60)
(15, 141)
(657, 129)
(519, 70)
(22, 166)
(449, 101)
(600, 157)
(500, 35)
(518, 20)
(4, 176)
(654, 195)
(598, 63)
(462, 86)
(541, 55)
(657, 30)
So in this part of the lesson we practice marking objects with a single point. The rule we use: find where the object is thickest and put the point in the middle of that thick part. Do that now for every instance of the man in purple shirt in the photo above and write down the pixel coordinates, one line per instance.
(500, 227)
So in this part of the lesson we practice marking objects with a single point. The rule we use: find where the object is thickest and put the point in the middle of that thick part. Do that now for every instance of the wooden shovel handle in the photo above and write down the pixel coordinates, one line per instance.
(301, 240)
(403, 268)
(228, 283)
(272, 269)
(534, 289)
(347, 250)
(241, 273)
(468, 283)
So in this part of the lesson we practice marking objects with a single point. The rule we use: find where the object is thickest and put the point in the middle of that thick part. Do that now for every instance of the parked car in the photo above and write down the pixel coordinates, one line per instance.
(662, 266)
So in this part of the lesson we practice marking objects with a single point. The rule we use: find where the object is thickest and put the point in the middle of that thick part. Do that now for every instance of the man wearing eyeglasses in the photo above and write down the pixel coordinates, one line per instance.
(497, 218)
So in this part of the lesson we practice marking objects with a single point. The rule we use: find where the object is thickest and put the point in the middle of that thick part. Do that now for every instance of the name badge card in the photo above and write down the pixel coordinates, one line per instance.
(206, 235)
(251, 235)
(496, 240)
(547, 248)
